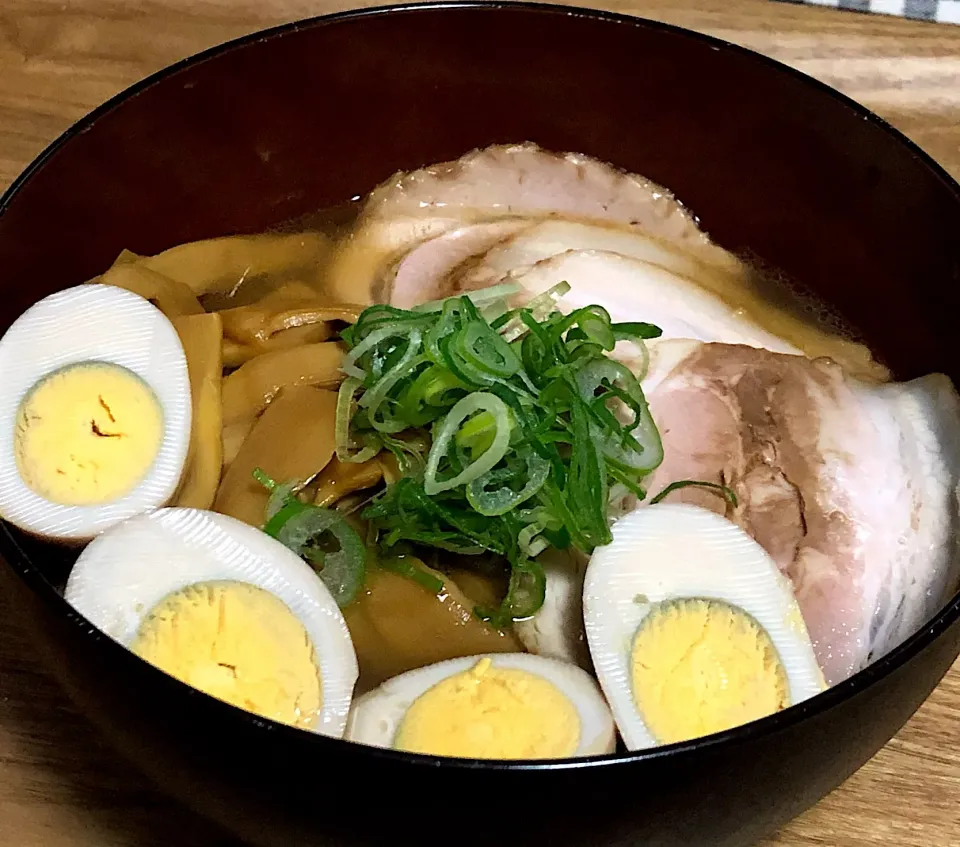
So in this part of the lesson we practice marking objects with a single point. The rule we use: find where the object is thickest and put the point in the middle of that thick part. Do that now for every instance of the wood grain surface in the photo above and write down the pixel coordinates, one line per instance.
(60, 786)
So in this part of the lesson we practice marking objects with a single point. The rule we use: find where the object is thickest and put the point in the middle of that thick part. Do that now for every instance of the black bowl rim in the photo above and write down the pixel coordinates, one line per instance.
(821, 703)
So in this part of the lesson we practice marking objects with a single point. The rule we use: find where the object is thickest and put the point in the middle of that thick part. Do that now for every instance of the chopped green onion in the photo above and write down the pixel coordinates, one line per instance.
(636, 445)
(530, 472)
(434, 388)
(283, 501)
(480, 297)
(345, 404)
(379, 397)
(280, 496)
(486, 350)
(469, 405)
(407, 453)
(535, 430)
(303, 527)
(511, 327)
(341, 570)
(530, 541)
(412, 568)
(525, 595)
(371, 343)
(264, 479)
(724, 491)
(631, 330)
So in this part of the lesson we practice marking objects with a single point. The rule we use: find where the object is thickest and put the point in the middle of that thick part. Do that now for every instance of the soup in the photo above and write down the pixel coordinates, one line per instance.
(514, 462)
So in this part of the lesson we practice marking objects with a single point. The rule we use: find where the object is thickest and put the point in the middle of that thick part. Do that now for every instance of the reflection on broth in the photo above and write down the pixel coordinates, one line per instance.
(462, 405)
(222, 265)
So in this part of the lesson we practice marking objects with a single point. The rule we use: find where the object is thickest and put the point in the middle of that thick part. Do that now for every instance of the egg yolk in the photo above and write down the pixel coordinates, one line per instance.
(702, 666)
(490, 712)
(87, 434)
(238, 643)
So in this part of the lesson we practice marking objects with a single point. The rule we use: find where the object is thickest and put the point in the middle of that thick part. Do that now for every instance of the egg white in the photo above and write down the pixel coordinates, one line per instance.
(125, 572)
(376, 716)
(667, 552)
(92, 323)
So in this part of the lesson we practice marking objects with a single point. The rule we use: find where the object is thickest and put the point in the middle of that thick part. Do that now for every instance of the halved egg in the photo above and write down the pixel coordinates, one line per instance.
(692, 628)
(492, 706)
(225, 608)
(94, 412)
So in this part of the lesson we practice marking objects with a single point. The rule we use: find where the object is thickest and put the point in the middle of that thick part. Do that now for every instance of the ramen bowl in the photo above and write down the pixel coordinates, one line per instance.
(272, 127)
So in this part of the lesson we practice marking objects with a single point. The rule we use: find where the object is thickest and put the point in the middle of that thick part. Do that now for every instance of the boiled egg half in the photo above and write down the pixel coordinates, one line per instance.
(492, 706)
(94, 412)
(692, 628)
(224, 608)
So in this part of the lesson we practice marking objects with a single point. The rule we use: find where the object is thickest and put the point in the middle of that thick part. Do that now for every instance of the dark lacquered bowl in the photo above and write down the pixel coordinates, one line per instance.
(274, 126)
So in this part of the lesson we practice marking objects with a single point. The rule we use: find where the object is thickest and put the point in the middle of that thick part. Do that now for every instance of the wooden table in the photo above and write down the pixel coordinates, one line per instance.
(59, 785)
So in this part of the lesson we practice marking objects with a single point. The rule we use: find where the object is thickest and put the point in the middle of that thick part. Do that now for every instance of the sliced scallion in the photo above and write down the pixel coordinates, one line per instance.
(307, 530)
(470, 405)
(535, 429)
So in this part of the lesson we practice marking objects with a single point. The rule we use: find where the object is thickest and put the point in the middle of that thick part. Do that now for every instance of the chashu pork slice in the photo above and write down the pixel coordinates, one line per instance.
(510, 186)
(423, 273)
(556, 630)
(525, 180)
(548, 238)
(356, 273)
(691, 290)
(628, 287)
(850, 486)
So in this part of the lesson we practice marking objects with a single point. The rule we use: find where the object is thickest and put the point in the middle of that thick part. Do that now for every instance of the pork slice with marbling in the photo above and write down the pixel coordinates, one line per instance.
(358, 271)
(850, 486)
(525, 180)
(431, 214)
(546, 239)
(424, 272)
(628, 287)
(688, 294)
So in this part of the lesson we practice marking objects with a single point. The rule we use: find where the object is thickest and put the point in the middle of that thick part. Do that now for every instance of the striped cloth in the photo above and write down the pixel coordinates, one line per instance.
(943, 11)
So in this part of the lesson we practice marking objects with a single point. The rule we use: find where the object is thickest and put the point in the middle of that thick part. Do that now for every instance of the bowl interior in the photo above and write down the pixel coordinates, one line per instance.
(274, 128)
